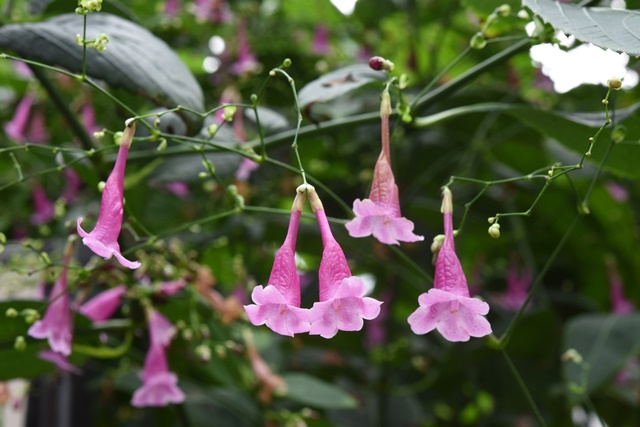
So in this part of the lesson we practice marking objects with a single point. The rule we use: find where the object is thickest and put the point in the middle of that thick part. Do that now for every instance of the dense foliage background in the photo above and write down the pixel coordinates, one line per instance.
(484, 114)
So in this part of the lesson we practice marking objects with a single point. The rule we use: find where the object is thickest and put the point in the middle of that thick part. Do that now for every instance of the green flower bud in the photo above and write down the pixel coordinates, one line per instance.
(478, 41)
(436, 245)
(20, 344)
(228, 112)
(203, 352)
(504, 10)
(30, 315)
(614, 83)
(11, 312)
(494, 231)
(163, 145)
(286, 63)
(212, 129)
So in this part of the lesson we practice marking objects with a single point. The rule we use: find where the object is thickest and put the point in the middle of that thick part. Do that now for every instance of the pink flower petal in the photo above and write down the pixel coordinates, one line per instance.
(102, 306)
(373, 219)
(60, 361)
(159, 390)
(456, 317)
(270, 308)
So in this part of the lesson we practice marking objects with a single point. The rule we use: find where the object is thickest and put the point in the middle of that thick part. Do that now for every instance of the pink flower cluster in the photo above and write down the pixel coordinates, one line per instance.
(343, 305)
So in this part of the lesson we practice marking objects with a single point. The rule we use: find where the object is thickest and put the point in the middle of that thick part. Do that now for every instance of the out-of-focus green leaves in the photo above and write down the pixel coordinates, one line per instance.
(311, 391)
(604, 343)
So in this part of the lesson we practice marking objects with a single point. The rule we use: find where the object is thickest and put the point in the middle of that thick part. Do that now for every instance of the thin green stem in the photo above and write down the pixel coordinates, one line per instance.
(525, 390)
(294, 145)
(17, 166)
(84, 46)
(506, 336)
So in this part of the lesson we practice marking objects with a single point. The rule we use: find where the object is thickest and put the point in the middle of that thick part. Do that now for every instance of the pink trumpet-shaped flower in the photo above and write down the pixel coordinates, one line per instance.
(72, 186)
(246, 62)
(167, 289)
(102, 306)
(103, 240)
(159, 385)
(619, 303)
(56, 325)
(278, 304)
(43, 207)
(448, 306)
(518, 284)
(88, 114)
(380, 214)
(321, 40)
(171, 7)
(16, 129)
(217, 11)
(343, 305)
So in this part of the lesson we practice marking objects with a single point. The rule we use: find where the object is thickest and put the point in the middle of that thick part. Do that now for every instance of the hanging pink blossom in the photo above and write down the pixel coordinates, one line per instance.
(448, 306)
(72, 185)
(88, 114)
(246, 62)
(171, 7)
(619, 303)
(217, 11)
(56, 325)
(103, 240)
(167, 289)
(102, 306)
(180, 189)
(518, 284)
(617, 191)
(159, 385)
(16, 129)
(343, 305)
(321, 44)
(44, 209)
(278, 304)
(37, 130)
(380, 215)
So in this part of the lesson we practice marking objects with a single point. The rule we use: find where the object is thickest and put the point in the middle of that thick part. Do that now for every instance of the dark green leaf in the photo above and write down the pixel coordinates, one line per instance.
(614, 29)
(338, 83)
(311, 391)
(135, 59)
(605, 342)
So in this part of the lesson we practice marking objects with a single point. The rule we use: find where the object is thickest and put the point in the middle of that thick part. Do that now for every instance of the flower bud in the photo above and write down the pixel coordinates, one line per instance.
(614, 83)
(11, 312)
(286, 63)
(504, 10)
(378, 63)
(437, 243)
(478, 41)
(20, 344)
(203, 352)
(30, 315)
(228, 112)
(494, 231)
(571, 355)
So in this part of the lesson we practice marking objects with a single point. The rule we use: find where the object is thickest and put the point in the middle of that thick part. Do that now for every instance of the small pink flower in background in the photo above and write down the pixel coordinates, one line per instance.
(375, 332)
(518, 285)
(56, 325)
(88, 114)
(22, 69)
(278, 304)
(60, 361)
(619, 303)
(217, 11)
(343, 305)
(380, 215)
(244, 170)
(180, 189)
(72, 185)
(171, 7)
(448, 306)
(16, 129)
(44, 209)
(159, 385)
(617, 191)
(167, 289)
(102, 306)
(103, 240)
(37, 131)
(246, 62)
(321, 44)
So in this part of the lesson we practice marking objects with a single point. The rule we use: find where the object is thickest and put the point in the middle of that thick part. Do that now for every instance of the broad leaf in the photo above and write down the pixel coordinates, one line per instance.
(311, 391)
(605, 342)
(134, 60)
(613, 29)
(337, 83)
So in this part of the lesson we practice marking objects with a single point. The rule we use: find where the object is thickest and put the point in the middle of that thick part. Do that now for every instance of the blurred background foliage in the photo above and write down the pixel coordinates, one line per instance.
(384, 374)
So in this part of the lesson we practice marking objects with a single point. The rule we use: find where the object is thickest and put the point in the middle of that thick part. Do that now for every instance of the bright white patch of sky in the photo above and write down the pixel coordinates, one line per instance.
(345, 6)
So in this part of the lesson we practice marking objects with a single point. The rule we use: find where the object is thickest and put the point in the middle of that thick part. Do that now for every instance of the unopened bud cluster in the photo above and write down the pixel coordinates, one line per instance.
(99, 43)
(88, 6)
(614, 83)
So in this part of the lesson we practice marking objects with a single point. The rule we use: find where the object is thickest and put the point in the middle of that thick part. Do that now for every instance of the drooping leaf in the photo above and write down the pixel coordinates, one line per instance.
(311, 391)
(337, 83)
(605, 343)
(134, 60)
(614, 29)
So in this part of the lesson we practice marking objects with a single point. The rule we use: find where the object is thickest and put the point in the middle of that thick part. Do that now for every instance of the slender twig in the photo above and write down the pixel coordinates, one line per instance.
(525, 390)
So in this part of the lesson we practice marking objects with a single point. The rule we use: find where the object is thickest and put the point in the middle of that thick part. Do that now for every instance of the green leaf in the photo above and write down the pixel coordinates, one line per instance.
(571, 130)
(24, 364)
(311, 391)
(134, 60)
(338, 83)
(605, 342)
(614, 29)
